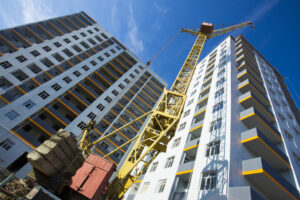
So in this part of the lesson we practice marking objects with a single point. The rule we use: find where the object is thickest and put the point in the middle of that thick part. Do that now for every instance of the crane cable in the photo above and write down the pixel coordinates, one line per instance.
(163, 48)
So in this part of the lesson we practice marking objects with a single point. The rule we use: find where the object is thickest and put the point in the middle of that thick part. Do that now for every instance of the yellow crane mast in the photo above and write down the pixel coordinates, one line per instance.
(161, 122)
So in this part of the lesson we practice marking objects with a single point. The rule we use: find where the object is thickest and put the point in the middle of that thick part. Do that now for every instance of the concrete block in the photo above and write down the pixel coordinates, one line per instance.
(63, 145)
(40, 163)
(58, 151)
(69, 140)
(51, 157)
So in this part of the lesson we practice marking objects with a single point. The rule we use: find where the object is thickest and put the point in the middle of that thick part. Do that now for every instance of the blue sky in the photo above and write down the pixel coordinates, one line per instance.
(145, 26)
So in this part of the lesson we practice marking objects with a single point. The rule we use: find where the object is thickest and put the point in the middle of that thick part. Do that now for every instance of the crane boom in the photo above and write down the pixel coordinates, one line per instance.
(162, 121)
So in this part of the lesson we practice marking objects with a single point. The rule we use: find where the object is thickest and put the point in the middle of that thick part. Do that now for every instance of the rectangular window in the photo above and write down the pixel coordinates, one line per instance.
(57, 44)
(103, 35)
(100, 58)
(77, 73)
(85, 68)
(136, 71)
(56, 87)
(35, 53)
(100, 107)
(220, 82)
(43, 94)
(196, 84)
(186, 113)
(77, 48)
(85, 45)
(92, 115)
(288, 136)
(218, 107)
(58, 57)
(182, 126)
(47, 62)
(115, 92)
(219, 93)
(176, 142)
(169, 162)
(75, 37)
(98, 38)
(113, 51)
(81, 125)
(47, 48)
(127, 81)
(92, 41)
(131, 75)
(21, 59)
(11, 115)
(193, 93)
(190, 102)
(106, 54)
(7, 144)
(121, 86)
(67, 79)
(161, 185)
(216, 124)
(28, 104)
(68, 52)
(108, 99)
(93, 63)
(154, 166)
(209, 180)
(5, 64)
(83, 34)
(213, 148)
(67, 40)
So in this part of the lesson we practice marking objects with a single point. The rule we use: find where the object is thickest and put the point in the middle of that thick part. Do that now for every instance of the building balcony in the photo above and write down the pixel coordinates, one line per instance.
(59, 115)
(268, 180)
(259, 145)
(185, 168)
(205, 91)
(248, 100)
(203, 101)
(200, 112)
(196, 129)
(245, 64)
(235, 193)
(206, 82)
(246, 85)
(253, 119)
(249, 74)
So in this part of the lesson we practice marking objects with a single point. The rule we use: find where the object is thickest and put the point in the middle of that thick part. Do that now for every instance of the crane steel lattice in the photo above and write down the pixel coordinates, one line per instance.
(161, 122)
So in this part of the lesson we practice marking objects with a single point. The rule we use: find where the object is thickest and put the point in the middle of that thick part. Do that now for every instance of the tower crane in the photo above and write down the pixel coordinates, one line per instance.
(161, 122)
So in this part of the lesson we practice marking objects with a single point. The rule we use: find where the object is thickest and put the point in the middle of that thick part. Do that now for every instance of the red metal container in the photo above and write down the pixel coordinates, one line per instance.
(91, 180)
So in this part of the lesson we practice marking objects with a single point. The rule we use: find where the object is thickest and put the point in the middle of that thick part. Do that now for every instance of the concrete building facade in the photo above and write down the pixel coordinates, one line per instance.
(61, 73)
(238, 137)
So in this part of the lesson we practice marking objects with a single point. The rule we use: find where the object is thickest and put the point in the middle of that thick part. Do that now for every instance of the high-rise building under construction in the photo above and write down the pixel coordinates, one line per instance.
(61, 73)
(238, 135)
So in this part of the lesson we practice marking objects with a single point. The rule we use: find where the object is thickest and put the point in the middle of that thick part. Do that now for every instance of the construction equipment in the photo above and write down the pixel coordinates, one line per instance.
(161, 122)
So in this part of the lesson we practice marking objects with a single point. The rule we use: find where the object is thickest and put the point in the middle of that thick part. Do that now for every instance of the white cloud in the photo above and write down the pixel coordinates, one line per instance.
(262, 9)
(135, 43)
(160, 8)
(25, 11)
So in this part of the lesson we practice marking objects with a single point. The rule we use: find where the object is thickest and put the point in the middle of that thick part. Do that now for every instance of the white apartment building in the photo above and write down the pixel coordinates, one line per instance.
(61, 73)
(238, 137)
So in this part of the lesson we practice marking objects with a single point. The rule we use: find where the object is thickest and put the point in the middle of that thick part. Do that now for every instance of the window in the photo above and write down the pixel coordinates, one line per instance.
(57, 44)
(117, 47)
(113, 51)
(176, 142)
(20, 75)
(85, 68)
(77, 48)
(81, 125)
(182, 126)
(67, 79)
(196, 84)
(5, 64)
(11, 115)
(219, 93)
(186, 113)
(296, 130)
(208, 181)
(213, 148)
(58, 57)
(47, 62)
(21, 59)
(220, 82)
(136, 71)
(90, 31)
(100, 58)
(92, 41)
(193, 93)
(108, 99)
(68, 52)
(115, 92)
(216, 124)
(135, 188)
(77, 73)
(116, 154)
(47, 48)
(103, 35)
(106, 54)
(126, 80)
(85, 45)
(297, 158)
(7, 144)
(92, 115)
(121, 86)
(100, 107)
(43, 94)
(281, 117)
(83, 34)
(161, 185)
(131, 75)
(28, 104)
(220, 73)
(154, 166)
(75, 37)
(4, 83)
(96, 29)
(67, 40)
(56, 87)
(141, 67)
(104, 145)
(93, 63)
(35, 53)
(145, 187)
(98, 38)
(190, 102)
(169, 162)
(218, 107)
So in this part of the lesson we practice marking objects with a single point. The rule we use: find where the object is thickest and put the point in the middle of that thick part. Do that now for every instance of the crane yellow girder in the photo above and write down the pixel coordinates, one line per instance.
(161, 122)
